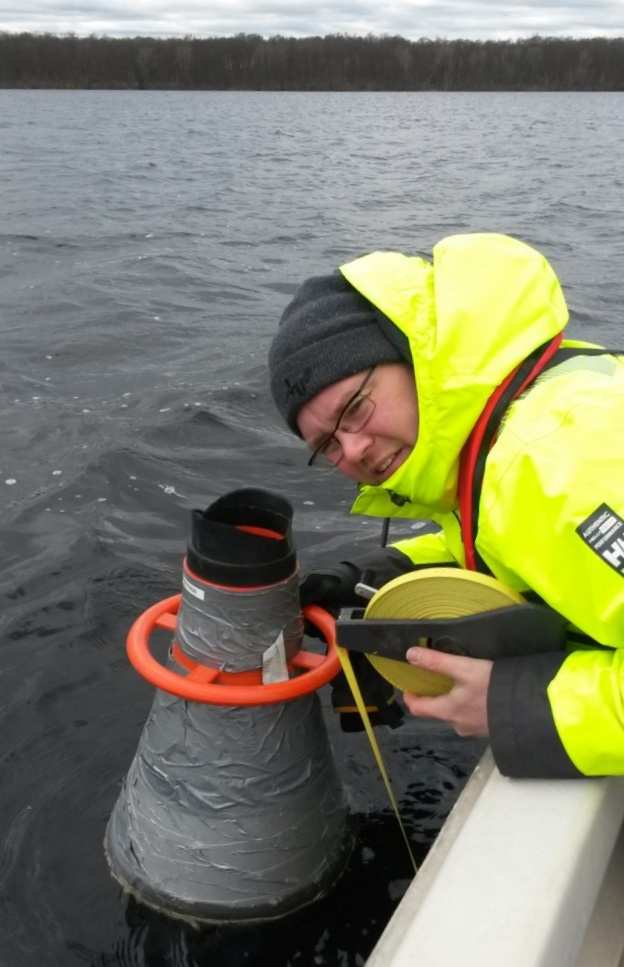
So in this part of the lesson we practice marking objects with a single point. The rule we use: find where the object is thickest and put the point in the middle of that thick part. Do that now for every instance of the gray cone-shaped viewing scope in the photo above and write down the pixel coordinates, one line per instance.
(233, 814)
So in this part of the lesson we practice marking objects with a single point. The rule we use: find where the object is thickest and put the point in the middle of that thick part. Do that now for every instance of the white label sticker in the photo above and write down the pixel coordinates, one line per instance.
(274, 667)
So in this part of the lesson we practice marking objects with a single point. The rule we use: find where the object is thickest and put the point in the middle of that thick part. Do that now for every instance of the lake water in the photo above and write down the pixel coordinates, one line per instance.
(148, 244)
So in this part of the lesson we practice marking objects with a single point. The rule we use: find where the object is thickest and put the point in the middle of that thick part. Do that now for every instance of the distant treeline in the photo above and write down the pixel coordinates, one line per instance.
(335, 63)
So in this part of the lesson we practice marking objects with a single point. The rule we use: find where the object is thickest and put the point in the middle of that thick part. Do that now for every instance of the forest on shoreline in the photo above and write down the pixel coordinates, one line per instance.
(332, 63)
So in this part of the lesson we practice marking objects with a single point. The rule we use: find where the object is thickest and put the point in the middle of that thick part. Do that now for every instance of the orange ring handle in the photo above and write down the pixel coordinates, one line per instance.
(214, 687)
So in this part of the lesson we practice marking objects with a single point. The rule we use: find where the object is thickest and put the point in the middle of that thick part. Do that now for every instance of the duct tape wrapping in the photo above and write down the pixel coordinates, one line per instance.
(233, 630)
(230, 814)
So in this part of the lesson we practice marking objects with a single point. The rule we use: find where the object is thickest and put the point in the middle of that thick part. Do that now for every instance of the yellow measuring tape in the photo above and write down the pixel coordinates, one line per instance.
(434, 592)
(347, 668)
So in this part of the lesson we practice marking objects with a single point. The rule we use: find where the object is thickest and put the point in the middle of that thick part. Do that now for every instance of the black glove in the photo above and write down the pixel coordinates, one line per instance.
(332, 588)
(378, 694)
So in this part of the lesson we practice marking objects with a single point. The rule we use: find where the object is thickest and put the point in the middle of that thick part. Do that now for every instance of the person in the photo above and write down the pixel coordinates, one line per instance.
(386, 369)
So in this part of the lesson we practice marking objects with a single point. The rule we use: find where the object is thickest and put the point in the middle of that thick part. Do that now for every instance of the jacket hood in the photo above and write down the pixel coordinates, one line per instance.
(470, 316)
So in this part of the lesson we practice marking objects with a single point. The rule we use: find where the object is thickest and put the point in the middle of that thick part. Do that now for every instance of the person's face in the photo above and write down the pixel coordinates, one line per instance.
(378, 448)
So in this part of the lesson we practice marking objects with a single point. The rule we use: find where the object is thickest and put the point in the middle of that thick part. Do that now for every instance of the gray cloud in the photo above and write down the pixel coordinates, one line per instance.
(475, 19)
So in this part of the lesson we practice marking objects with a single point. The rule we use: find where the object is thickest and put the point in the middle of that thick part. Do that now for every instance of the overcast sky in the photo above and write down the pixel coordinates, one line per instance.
(476, 19)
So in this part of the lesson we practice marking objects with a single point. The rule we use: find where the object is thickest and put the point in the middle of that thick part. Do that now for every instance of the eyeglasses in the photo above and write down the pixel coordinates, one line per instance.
(354, 416)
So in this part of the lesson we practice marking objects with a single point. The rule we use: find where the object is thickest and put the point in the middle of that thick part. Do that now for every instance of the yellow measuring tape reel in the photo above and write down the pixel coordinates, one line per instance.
(433, 592)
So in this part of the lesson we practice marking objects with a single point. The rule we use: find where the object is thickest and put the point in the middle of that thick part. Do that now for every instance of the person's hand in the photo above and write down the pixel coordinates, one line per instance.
(331, 587)
(464, 707)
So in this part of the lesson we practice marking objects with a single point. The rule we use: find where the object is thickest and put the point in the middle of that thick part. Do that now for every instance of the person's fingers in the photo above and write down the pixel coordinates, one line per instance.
(464, 706)
(428, 707)
(453, 666)
(468, 716)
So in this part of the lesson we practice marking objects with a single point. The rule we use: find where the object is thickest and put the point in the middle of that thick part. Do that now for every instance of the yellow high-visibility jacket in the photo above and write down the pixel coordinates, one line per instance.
(552, 504)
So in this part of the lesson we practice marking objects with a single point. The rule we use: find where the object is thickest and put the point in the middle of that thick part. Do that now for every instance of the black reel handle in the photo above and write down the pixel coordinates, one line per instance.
(520, 629)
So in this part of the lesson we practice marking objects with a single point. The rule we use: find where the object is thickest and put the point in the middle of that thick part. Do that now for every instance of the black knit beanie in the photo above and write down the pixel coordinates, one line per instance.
(328, 332)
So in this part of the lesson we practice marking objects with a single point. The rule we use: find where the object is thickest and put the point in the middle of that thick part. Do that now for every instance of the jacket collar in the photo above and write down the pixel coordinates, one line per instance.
(470, 316)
